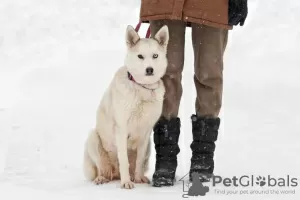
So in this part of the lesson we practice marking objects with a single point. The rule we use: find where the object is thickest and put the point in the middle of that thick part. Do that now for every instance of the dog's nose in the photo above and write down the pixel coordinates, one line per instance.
(149, 71)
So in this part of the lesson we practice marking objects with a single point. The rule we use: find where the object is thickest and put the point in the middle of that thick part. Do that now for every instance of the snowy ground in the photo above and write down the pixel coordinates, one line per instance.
(57, 57)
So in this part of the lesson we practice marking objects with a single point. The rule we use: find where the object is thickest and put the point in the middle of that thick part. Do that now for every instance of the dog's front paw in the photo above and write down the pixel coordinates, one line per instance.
(100, 180)
(141, 179)
(127, 184)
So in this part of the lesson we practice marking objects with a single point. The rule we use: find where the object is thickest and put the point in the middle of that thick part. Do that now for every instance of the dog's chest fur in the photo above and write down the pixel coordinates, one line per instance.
(143, 117)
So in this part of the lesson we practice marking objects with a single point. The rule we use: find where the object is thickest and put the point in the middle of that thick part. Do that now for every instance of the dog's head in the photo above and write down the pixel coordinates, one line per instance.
(146, 58)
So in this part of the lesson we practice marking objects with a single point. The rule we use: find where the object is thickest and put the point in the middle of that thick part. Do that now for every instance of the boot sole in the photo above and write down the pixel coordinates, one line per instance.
(163, 183)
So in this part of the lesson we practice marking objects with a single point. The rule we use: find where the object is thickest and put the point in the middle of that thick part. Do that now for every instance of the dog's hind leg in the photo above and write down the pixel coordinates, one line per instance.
(94, 156)
(89, 168)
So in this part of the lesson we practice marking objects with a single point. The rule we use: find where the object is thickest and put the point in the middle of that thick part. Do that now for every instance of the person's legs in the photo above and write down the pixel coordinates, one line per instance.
(209, 45)
(167, 129)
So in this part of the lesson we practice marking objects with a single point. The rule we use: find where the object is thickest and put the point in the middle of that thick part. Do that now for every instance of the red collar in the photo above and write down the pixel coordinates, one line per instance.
(130, 77)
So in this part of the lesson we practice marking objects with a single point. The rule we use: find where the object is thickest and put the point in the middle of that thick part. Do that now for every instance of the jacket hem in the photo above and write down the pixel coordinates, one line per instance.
(146, 19)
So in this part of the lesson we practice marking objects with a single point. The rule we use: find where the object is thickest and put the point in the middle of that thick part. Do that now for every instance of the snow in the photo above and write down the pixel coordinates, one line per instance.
(57, 57)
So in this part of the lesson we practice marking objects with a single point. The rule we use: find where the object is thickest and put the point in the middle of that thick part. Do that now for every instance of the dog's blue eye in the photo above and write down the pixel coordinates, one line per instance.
(155, 55)
(140, 56)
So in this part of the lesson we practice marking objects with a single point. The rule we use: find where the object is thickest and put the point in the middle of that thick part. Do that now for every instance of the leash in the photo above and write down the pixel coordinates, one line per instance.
(138, 26)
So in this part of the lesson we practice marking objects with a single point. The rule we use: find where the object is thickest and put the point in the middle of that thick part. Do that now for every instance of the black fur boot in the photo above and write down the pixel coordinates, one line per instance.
(166, 135)
(205, 133)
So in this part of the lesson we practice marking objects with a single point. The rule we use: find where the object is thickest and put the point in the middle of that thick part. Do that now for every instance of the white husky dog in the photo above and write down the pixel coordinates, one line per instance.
(119, 146)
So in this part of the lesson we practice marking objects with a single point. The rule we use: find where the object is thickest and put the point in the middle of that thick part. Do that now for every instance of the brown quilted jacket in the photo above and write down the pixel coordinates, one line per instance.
(208, 12)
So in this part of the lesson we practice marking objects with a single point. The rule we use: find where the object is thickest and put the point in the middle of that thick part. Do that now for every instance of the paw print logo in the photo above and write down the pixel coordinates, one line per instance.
(197, 188)
(261, 181)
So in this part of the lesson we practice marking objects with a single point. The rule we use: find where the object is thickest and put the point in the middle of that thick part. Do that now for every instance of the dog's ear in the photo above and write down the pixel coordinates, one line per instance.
(162, 36)
(132, 36)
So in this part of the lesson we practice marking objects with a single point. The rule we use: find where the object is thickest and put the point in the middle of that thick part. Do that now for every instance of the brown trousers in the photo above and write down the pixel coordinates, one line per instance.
(209, 45)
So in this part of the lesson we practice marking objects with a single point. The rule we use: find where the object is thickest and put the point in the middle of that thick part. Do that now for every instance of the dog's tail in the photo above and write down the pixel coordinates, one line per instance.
(89, 165)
